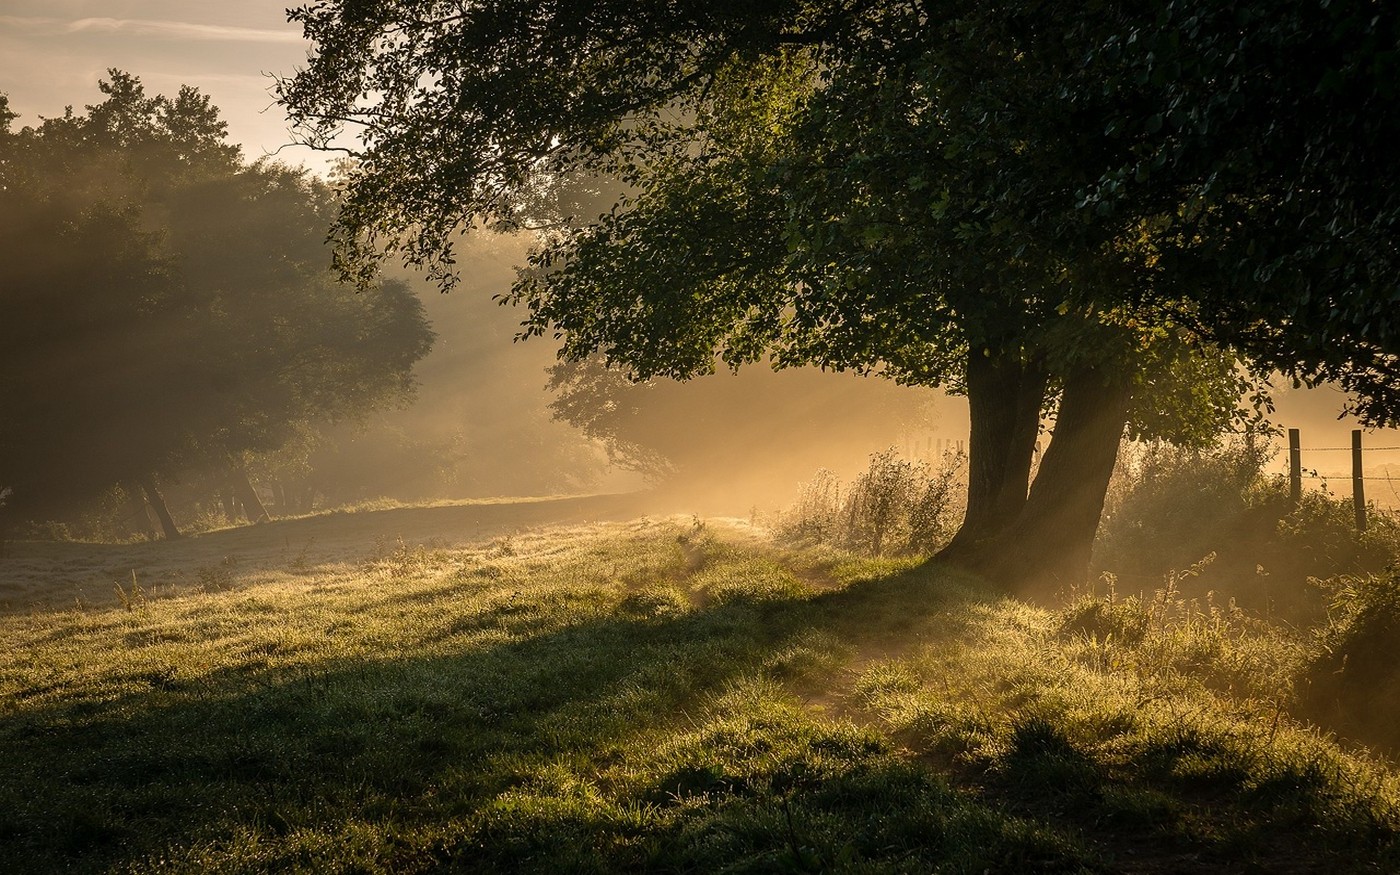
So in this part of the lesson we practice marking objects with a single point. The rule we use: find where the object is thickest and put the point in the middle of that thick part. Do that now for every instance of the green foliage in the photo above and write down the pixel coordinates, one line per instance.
(178, 301)
(894, 507)
(1351, 679)
(1269, 204)
(872, 185)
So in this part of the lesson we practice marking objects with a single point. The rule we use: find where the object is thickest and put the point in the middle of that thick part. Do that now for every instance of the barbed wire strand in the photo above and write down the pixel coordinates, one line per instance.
(1349, 477)
(1338, 449)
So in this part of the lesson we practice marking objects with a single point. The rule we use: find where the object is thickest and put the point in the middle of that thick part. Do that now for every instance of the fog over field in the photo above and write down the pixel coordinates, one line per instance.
(732, 441)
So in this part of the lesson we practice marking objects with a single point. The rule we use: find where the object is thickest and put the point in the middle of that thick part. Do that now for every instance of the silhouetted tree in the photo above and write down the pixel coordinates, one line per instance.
(1030, 202)
(164, 306)
(712, 429)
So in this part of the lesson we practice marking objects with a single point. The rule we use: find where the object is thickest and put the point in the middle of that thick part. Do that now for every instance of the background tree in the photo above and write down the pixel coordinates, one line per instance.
(927, 191)
(755, 433)
(169, 307)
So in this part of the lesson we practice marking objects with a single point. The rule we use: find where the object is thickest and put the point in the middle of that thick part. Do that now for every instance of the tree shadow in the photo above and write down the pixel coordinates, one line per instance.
(273, 745)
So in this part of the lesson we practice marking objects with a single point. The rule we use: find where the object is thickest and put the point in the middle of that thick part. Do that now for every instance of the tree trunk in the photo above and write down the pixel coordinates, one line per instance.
(229, 503)
(248, 496)
(157, 503)
(136, 511)
(1004, 400)
(1050, 544)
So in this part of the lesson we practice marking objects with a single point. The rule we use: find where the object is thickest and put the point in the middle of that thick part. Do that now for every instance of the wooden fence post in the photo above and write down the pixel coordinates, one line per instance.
(1295, 466)
(1358, 482)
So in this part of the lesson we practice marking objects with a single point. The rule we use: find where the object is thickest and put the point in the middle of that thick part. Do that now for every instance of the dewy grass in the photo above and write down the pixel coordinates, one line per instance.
(655, 696)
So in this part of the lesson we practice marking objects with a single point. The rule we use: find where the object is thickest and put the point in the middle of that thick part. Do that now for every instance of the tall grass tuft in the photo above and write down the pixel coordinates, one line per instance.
(894, 507)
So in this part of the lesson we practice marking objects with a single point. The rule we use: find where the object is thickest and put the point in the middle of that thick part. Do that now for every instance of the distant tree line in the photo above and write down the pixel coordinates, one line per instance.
(167, 311)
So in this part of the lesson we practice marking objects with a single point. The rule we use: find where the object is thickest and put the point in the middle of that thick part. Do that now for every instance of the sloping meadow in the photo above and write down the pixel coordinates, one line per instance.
(664, 696)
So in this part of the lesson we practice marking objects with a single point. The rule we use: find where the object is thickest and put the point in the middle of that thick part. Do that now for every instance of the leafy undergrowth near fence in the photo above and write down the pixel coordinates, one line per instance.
(666, 697)
(1169, 508)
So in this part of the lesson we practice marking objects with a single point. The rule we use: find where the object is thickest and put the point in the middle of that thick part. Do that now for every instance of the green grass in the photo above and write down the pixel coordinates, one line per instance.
(662, 697)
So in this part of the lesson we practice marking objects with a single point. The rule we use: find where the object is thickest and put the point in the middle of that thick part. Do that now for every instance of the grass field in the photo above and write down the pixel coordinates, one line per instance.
(667, 695)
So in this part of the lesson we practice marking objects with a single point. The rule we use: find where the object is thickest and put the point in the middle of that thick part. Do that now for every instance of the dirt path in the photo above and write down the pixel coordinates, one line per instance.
(45, 574)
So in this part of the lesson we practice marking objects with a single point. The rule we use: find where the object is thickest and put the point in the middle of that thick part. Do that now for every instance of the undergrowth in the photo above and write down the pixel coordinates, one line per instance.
(895, 506)
(1169, 507)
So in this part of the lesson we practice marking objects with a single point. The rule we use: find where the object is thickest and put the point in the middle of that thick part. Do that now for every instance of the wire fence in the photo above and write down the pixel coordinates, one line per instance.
(1297, 474)
(1344, 449)
(1319, 476)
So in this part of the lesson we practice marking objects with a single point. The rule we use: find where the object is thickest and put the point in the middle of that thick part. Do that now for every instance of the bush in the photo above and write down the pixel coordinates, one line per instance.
(1168, 507)
(1320, 539)
(1352, 681)
(895, 506)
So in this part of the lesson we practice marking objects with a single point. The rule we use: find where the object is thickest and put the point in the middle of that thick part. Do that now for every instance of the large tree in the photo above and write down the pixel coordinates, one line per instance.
(934, 191)
(164, 306)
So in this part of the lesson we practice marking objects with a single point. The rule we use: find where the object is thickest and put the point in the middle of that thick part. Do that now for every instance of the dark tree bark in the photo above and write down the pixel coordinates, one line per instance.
(229, 503)
(1004, 400)
(157, 503)
(248, 496)
(137, 512)
(1051, 541)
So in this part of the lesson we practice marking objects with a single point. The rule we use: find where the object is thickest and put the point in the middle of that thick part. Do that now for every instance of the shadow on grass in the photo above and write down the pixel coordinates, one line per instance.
(414, 749)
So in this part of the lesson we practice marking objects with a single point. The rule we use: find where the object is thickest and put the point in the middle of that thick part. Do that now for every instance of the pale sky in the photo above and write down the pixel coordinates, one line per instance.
(53, 52)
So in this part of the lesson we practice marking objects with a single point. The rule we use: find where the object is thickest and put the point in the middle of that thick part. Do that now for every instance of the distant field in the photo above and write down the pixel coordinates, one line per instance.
(48, 573)
(668, 695)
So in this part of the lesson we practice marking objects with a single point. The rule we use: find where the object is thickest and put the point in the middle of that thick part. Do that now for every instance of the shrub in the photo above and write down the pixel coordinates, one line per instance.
(894, 506)
(1352, 681)
(1320, 538)
(1168, 507)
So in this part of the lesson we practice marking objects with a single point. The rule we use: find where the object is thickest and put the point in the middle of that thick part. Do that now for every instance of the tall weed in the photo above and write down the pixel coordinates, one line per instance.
(894, 507)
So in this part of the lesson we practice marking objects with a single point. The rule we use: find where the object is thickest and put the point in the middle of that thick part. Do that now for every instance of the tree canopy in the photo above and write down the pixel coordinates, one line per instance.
(167, 306)
(1029, 202)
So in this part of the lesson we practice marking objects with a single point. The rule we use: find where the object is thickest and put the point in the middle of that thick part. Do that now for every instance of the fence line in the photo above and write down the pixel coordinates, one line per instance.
(1342, 449)
(1313, 475)
(1358, 478)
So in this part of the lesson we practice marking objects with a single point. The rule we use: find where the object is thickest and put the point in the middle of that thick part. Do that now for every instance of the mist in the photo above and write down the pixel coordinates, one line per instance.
(485, 423)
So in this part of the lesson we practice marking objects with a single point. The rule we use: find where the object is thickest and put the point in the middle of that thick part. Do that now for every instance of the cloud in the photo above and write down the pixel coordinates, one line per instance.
(183, 30)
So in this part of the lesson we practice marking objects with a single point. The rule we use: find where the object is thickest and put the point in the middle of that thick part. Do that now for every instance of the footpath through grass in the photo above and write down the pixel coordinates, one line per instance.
(660, 697)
